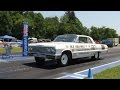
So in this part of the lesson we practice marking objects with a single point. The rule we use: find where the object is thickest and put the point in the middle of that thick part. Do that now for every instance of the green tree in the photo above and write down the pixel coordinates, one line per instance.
(17, 20)
(86, 31)
(94, 33)
(51, 25)
(39, 20)
(35, 23)
(11, 23)
(99, 33)
(5, 23)
(69, 23)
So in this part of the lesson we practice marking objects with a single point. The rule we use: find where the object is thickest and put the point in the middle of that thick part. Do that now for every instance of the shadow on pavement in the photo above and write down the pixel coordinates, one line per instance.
(83, 60)
(53, 65)
(48, 65)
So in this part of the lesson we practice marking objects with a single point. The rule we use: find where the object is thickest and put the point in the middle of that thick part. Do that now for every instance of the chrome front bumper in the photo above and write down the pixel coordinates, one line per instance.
(46, 56)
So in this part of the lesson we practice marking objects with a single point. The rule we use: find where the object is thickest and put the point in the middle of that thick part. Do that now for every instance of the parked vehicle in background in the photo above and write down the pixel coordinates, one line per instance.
(32, 40)
(65, 48)
(44, 40)
(1, 39)
(1, 43)
(97, 41)
(13, 42)
(108, 42)
(115, 41)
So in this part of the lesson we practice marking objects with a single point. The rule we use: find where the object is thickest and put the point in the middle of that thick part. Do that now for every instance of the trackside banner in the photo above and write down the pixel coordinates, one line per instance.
(25, 39)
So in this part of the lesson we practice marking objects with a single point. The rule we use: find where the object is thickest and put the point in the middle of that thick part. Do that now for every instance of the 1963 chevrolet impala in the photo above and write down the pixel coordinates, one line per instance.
(65, 48)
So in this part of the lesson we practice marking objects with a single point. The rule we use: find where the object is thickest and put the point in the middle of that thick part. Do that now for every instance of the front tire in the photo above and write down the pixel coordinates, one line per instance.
(64, 59)
(39, 61)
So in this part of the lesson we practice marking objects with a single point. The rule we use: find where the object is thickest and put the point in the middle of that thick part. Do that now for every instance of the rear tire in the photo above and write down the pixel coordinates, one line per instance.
(65, 59)
(39, 61)
(96, 56)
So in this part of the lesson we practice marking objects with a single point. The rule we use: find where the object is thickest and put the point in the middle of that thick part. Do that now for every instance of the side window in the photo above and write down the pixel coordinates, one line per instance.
(82, 40)
(89, 40)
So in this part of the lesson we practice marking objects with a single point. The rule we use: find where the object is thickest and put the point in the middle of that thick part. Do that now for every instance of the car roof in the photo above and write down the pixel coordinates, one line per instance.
(77, 35)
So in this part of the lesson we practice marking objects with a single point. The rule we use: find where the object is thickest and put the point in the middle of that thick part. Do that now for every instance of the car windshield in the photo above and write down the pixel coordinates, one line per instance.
(65, 38)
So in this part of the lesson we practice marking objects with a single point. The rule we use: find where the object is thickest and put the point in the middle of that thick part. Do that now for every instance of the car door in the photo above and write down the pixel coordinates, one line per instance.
(84, 47)
(92, 47)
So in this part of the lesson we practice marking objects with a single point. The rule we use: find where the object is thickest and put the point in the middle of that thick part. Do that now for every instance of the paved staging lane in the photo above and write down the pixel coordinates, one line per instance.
(27, 69)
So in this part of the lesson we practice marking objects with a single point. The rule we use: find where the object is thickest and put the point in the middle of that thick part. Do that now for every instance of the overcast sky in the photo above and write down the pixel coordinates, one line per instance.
(92, 18)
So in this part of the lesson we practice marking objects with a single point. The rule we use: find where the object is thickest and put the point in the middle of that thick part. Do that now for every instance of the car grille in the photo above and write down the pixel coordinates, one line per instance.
(37, 49)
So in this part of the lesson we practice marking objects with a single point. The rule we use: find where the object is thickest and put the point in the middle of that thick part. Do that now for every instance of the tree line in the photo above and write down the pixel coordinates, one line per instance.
(11, 23)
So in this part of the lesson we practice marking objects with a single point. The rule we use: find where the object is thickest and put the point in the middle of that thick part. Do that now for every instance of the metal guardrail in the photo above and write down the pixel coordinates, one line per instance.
(7, 53)
(16, 44)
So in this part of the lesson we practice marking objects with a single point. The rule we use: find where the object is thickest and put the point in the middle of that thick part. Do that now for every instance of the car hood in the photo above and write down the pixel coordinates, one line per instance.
(50, 44)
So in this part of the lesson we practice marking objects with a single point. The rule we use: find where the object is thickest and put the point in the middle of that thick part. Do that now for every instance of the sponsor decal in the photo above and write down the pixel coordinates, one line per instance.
(25, 39)
(71, 46)
(103, 47)
(76, 46)
(92, 47)
(66, 46)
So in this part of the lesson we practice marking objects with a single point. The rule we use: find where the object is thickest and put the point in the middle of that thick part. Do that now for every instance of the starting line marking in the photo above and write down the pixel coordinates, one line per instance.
(72, 76)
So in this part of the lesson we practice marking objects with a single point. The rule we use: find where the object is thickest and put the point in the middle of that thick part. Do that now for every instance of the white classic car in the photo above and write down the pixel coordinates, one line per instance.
(65, 48)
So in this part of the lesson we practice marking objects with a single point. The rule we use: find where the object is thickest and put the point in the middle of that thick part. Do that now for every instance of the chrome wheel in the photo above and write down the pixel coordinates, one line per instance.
(64, 59)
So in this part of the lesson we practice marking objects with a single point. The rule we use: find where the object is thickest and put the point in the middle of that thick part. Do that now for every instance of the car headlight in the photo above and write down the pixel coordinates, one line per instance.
(51, 50)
